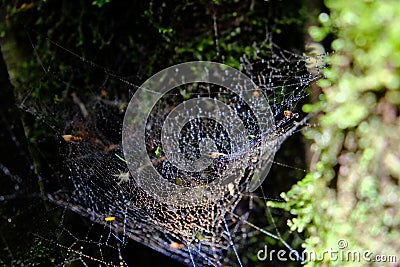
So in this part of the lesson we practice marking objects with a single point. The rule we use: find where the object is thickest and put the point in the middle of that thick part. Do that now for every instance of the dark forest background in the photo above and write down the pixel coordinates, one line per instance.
(352, 189)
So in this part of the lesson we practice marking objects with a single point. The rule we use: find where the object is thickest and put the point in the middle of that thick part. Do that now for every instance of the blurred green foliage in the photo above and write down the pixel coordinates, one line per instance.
(100, 3)
(352, 192)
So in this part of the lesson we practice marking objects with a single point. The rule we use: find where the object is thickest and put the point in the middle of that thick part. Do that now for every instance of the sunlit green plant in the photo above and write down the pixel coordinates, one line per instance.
(352, 191)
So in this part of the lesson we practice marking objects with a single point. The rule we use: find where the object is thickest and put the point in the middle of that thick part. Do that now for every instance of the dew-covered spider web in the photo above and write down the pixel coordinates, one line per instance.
(94, 180)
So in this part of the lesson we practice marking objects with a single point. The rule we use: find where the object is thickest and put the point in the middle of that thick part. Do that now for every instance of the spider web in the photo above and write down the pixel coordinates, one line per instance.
(100, 187)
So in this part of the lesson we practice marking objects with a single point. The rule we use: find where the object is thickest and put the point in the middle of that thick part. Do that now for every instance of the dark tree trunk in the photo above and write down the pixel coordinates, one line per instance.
(17, 182)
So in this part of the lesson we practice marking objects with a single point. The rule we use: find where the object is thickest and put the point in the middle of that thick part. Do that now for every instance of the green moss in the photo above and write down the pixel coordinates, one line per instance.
(347, 194)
